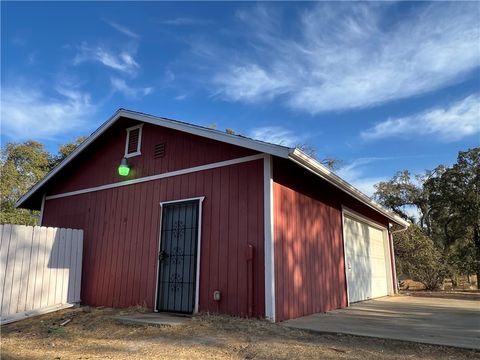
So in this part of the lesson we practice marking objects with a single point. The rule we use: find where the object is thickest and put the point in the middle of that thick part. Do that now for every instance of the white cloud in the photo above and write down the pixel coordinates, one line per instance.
(355, 174)
(123, 61)
(130, 92)
(28, 113)
(32, 58)
(185, 21)
(276, 135)
(347, 56)
(250, 83)
(123, 29)
(181, 97)
(451, 123)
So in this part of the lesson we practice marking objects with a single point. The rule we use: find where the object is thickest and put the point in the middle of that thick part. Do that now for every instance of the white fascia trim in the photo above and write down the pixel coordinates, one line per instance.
(199, 247)
(314, 166)
(159, 176)
(259, 146)
(269, 239)
(139, 144)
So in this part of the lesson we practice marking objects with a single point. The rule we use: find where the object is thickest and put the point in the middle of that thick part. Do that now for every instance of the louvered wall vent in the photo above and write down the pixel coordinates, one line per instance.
(159, 151)
(133, 139)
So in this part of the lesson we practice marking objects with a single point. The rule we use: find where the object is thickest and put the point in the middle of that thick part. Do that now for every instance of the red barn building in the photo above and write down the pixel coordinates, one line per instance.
(202, 220)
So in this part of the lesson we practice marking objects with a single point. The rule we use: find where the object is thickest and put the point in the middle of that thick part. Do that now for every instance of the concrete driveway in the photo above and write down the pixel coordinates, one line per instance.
(426, 320)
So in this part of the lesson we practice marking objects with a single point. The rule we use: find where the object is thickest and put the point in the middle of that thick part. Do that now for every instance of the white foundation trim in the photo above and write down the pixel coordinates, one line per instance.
(269, 239)
(160, 176)
(199, 246)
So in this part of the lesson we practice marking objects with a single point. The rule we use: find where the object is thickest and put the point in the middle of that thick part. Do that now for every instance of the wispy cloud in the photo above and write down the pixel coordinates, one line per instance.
(32, 58)
(346, 56)
(181, 97)
(356, 174)
(450, 123)
(130, 92)
(276, 135)
(122, 28)
(185, 21)
(28, 113)
(250, 83)
(123, 61)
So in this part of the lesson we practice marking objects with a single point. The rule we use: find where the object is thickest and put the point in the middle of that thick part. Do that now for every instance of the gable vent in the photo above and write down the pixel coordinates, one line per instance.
(133, 139)
(159, 151)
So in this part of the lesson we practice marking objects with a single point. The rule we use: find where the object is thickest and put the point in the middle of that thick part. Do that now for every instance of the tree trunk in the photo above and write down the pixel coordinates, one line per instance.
(476, 241)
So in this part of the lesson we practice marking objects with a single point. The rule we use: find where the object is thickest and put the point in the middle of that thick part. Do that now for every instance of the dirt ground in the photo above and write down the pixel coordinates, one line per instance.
(92, 334)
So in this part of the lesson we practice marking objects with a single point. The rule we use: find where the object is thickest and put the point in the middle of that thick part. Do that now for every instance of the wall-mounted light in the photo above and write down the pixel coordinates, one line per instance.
(123, 169)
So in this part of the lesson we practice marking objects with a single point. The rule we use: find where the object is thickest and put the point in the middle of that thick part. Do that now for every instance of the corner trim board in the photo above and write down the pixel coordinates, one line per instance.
(42, 208)
(270, 313)
(160, 176)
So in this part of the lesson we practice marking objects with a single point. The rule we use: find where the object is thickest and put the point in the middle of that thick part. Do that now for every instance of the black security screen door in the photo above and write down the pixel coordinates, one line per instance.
(178, 257)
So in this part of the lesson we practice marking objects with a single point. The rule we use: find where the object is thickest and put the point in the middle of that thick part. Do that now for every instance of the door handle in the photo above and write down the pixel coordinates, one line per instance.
(162, 255)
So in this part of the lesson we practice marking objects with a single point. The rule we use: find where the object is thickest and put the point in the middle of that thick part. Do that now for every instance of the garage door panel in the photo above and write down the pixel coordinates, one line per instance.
(365, 260)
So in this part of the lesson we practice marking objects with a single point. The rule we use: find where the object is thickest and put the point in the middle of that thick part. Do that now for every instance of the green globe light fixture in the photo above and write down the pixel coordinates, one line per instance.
(123, 169)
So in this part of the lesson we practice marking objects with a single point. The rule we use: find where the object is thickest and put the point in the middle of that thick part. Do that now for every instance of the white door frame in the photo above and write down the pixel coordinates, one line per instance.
(386, 245)
(199, 242)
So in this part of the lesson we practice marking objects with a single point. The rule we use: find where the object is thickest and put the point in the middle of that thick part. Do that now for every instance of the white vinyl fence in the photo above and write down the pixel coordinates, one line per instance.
(40, 270)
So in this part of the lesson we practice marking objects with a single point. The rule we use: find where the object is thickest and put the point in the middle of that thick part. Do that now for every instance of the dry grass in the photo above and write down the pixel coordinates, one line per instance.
(92, 334)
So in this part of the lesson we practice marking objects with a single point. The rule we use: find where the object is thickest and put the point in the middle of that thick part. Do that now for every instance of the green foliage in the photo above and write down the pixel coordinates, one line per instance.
(22, 165)
(404, 191)
(65, 149)
(461, 257)
(455, 195)
(418, 257)
(447, 200)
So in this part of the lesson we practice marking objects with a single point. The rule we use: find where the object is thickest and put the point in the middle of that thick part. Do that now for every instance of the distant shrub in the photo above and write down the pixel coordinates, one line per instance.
(417, 257)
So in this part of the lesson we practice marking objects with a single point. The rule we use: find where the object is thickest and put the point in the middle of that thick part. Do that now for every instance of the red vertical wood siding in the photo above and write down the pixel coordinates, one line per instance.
(309, 254)
(98, 163)
(122, 224)
(121, 236)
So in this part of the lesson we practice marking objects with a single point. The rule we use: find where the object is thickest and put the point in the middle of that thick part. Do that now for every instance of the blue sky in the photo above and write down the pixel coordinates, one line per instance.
(381, 86)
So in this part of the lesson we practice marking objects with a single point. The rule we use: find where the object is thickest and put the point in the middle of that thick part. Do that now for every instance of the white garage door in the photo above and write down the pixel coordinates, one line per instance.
(366, 260)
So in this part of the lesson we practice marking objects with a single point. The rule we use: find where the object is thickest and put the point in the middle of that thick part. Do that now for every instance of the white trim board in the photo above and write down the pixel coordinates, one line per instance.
(42, 209)
(363, 218)
(159, 176)
(33, 313)
(269, 239)
(199, 246)
(139, 144)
